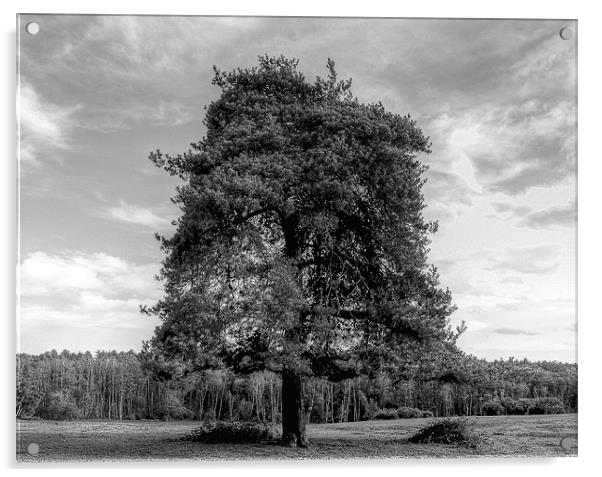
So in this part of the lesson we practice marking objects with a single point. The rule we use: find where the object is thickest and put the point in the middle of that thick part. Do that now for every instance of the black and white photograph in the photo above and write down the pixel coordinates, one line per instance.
(295, 238)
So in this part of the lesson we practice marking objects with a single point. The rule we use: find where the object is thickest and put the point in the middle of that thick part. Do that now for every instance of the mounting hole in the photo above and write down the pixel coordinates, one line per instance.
(32, 28)
(566, 33)
(568, 443)
(33, 449)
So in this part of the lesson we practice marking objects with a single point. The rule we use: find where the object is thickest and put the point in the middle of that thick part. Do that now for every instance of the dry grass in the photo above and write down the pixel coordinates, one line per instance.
(149, 440)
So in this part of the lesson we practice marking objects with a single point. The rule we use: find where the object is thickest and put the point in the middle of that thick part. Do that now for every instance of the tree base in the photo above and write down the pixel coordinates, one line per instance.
(294, 441)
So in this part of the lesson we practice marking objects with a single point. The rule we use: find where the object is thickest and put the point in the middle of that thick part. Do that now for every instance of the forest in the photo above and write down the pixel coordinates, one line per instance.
(114, 385)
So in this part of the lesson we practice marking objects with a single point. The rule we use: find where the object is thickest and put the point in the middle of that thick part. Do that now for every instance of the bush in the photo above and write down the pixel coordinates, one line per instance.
(386, 414)
(245, 409)
(448, 431)
(409, 412)
(493, 408)
(233, 432)
(61, 407)
(513, 407)
(427, 414)
(549, 405)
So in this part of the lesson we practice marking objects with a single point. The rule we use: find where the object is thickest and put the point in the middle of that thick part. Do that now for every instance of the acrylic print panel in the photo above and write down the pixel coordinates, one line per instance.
(376, 268)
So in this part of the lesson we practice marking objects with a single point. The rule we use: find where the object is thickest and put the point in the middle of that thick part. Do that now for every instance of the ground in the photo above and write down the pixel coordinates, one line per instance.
(144, 440)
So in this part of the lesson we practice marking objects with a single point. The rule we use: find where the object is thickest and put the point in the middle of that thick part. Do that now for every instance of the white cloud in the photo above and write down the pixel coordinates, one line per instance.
(523, 328)
(44, 126)
(531, 260)
(159, 113)
(43, 274)
(70, 274)
(138, 215)
(512, 148)
(75, 297)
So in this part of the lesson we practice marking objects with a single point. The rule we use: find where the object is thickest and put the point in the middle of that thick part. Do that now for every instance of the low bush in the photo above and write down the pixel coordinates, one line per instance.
(233, 432)
(549, 405)
(493, 408)
(409, 412)
(546, 405)
(385, 414)
(61, 407)
(514, 407)
(449, 431)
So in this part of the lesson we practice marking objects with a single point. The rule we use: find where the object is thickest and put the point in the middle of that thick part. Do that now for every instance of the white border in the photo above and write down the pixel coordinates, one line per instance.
(590, 239)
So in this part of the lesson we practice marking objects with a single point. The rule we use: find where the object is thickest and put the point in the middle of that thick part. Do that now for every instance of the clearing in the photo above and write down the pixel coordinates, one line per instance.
(513, 436)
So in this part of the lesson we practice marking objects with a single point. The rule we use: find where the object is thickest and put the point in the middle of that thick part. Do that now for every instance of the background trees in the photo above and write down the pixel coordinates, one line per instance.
(301, 247)
(112, 385)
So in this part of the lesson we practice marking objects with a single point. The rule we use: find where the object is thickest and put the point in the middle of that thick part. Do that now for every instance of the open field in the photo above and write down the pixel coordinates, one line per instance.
(144, 440)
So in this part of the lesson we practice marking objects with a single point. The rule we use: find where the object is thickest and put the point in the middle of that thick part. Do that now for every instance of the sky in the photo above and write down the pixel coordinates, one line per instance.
(98, 93)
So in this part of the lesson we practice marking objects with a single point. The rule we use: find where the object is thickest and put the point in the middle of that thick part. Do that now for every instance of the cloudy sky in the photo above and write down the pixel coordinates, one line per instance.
(497, 98)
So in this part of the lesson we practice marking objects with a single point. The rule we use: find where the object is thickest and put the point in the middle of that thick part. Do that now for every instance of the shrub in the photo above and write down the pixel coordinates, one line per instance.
(525, 404)
(448, 431)
(493, 408)
(245, 409)
(512, 407)
(385, 414)
(409, 412)
(427, 414)
(61, 407)
(233, 432)
(549, 405)
(371, 409)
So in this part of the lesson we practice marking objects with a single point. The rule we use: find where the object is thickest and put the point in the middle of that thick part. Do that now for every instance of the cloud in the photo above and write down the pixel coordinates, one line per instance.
(515, 331)
(44, 127)
(84, 301)
(564, 216)
(504, 207)
(447, 195)
(517, 125)
(528, 327)
(512, 280)
(121, 315)
(557, 216)
(516, 148)
(132, 71)
(157, 114)
(85, 275)
(137, 215)
(447, 188)
(531, 260)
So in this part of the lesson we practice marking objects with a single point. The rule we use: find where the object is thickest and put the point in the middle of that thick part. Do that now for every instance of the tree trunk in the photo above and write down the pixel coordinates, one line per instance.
(293, 417)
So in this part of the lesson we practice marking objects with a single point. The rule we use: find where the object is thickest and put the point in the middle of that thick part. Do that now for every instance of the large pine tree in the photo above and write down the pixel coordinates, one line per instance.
(302, 246)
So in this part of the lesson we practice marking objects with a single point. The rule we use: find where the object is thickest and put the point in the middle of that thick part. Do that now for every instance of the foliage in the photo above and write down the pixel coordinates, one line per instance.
(302, 242)
(233, 432)
(547, 405)
(111, 385)
(493, 408)
(403, 412)
(61, 407)
(449, 431)
(409, 412)
(541, 405)
(386, 414)
(515, 406)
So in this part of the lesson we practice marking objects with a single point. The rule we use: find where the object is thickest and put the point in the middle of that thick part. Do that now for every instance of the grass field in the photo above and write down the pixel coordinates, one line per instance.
(152, 440)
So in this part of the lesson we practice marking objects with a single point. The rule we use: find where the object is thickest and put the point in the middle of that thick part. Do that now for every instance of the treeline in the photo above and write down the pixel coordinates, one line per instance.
(122, 385)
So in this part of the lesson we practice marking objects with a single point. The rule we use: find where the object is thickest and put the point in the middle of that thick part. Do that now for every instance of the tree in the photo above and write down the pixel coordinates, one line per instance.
(302, 247)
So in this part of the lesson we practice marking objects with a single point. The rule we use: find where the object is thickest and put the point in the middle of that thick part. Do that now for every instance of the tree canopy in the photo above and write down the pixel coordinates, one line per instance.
(302, 244)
